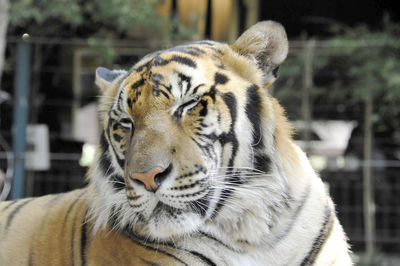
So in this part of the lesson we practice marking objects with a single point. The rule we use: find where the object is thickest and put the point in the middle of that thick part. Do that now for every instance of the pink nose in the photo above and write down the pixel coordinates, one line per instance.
(148, 178)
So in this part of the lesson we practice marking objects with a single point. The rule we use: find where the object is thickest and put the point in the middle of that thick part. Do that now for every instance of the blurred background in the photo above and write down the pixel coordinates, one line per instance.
(340, 86)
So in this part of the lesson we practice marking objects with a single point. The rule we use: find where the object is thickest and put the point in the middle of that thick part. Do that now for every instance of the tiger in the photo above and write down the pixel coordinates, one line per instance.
(195, 165)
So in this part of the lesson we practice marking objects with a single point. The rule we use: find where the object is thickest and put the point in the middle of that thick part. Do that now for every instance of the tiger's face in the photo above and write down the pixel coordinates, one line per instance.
(182, 130)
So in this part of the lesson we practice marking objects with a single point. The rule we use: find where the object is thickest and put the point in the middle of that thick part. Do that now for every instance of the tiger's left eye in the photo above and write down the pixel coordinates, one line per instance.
(126, 123)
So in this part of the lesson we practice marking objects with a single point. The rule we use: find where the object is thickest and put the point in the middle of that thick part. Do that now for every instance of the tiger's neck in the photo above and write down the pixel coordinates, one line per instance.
(278, 201)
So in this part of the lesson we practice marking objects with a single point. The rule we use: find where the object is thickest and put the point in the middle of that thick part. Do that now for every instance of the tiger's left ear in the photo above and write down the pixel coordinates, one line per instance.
(266, 43)
(105, 77)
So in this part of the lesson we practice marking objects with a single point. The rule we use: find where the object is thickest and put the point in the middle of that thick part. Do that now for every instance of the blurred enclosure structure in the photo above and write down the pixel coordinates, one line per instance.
(342, 94)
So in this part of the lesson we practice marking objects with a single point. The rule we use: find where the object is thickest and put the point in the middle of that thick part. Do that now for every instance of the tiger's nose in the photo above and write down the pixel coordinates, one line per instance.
(153, 178)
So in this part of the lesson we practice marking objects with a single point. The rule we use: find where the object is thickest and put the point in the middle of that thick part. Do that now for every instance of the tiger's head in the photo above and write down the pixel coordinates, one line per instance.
(187, 137)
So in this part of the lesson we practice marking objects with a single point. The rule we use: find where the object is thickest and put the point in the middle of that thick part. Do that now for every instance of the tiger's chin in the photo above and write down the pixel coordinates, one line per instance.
(167, 223)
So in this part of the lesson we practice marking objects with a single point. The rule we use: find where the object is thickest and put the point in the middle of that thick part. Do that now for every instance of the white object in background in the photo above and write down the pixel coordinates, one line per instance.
(334, 136)
(88, 154)
(85, 124)
(37, 146)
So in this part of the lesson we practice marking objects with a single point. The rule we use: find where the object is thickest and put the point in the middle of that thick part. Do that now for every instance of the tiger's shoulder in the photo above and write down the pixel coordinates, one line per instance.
(58, 230)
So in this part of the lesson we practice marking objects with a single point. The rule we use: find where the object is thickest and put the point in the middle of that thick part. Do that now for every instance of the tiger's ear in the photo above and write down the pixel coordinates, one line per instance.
(105, 77)
(266, 43)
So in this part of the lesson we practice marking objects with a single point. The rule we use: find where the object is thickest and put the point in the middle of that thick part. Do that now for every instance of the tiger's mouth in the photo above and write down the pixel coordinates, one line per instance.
(167, 221)
(162, 208)
(177, 201)
(163, 218)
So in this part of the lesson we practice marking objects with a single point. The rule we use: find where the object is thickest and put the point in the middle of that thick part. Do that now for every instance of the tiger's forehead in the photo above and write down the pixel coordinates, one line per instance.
(188, 64)
(188, 57)
(177, 74)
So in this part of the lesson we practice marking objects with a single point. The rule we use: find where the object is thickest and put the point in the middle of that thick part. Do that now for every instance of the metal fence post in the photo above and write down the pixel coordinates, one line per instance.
(368, 181)
(307, 86)
(21, 108)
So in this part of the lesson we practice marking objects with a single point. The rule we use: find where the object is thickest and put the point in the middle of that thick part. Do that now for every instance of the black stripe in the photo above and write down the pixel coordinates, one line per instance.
(204, 148)
(230, 101)
(199, 168)
(164, 93)
(146, 64)
(187, 79)
(133, 197)
(202, 205)
(220, 78)
(106, 167)
(253, 109)
(105, 144)
(156, 80)
(321, 238)
(198, 50)
(147, 262)
(295, 214)
(138, 83)
(229, 137)
(117, 137)
(113, 113)
(83, 240)
(186, 50)
(203, 112)
(67, 214)
(119, 101)
(199, 182)
(209, 43)
(156, 92)
(14, 212)
(9, 204)
(218, 241)
(178, 112)
(142, 242)
(203, 258)
(31, 260)
(120, 162)
(104, 161)
(72, 206)
(211, 93)
(195, 89)
(262, 162)
(159, 61)
(184, 61)
(117, 181)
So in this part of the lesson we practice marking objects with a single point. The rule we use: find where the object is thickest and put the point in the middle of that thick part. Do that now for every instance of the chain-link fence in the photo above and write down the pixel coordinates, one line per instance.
(341, 98)
(315, 87)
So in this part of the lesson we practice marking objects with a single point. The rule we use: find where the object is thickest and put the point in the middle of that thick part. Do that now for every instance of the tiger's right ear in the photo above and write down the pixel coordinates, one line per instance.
(105, 77)
(266, 44)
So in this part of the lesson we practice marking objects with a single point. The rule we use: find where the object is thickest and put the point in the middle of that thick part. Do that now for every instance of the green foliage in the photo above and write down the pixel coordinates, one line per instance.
(95, 19)
(99, 21)
(358, 62)
(24, 12)
(79, 17)
(122, 14)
